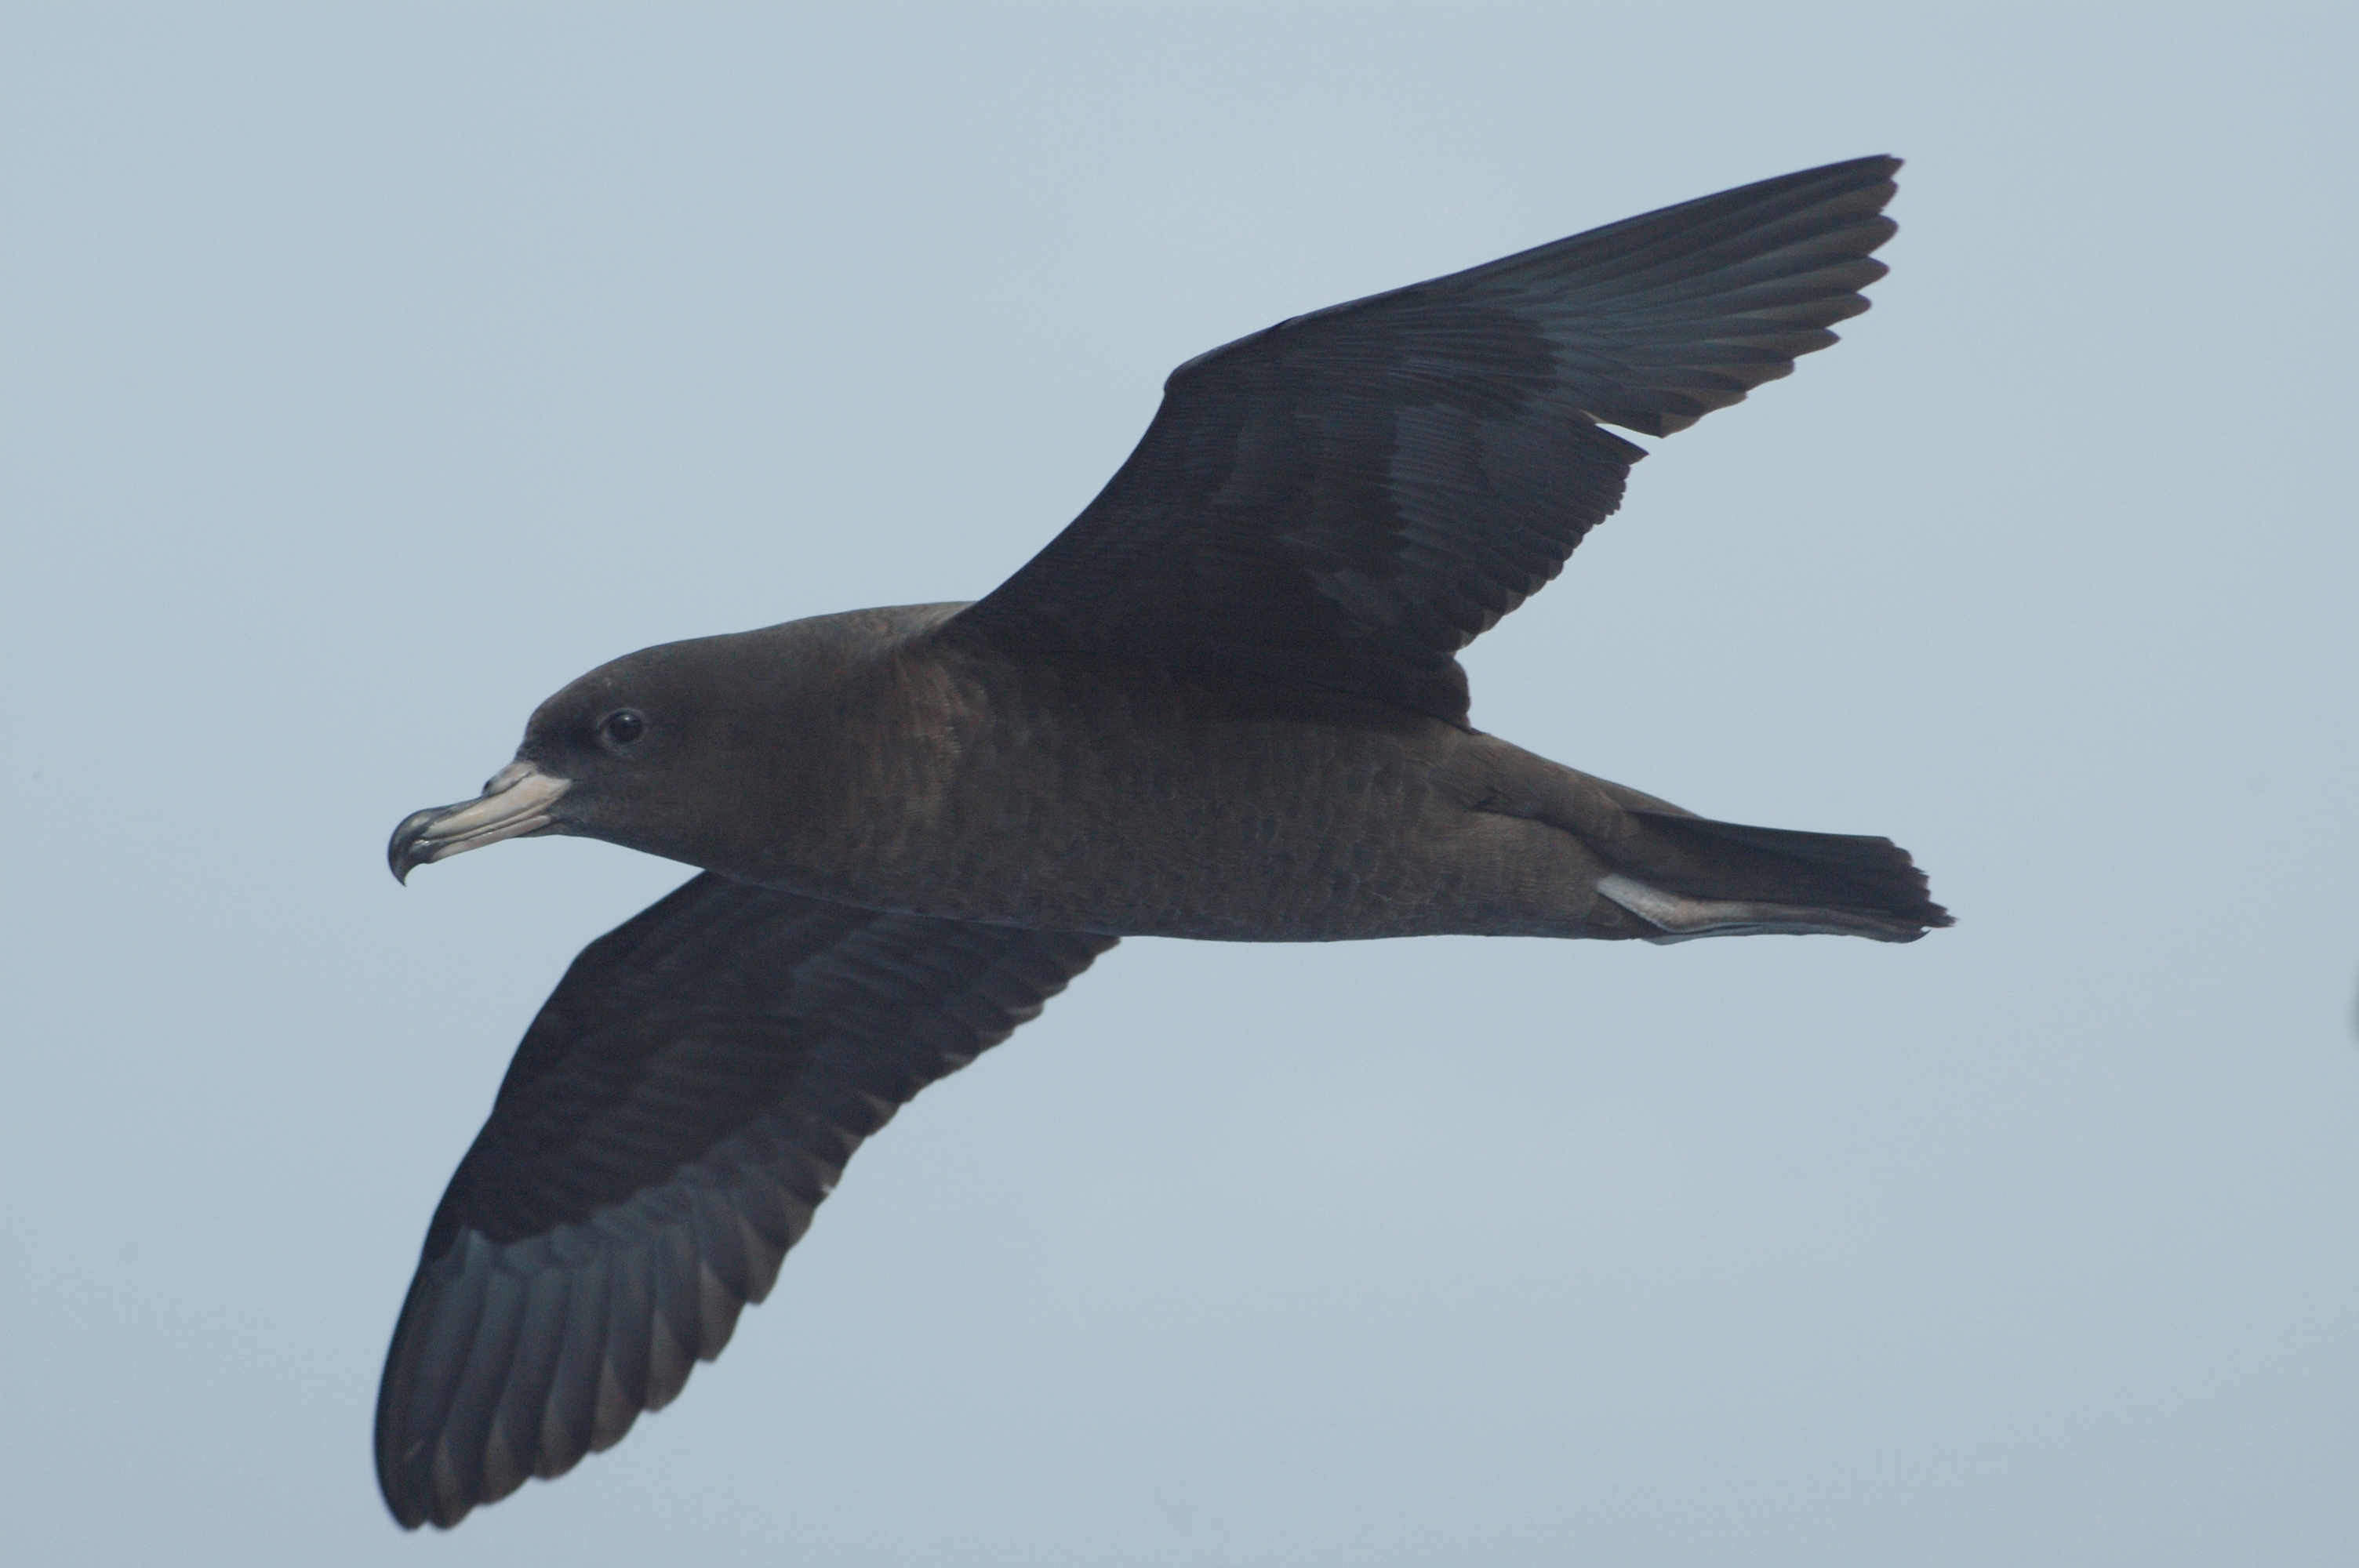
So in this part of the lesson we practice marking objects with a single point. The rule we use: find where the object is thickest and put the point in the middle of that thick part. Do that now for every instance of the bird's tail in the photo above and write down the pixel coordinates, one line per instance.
(1690, 877)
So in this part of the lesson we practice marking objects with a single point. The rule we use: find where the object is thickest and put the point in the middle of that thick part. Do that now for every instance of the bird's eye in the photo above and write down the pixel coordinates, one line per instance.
(622, 727)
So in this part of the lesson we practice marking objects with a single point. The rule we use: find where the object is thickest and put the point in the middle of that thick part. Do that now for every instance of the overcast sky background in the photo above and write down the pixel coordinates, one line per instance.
(370, 372)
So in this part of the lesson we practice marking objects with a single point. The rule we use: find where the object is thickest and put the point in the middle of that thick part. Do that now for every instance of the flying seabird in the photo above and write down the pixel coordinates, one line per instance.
(1222, 703)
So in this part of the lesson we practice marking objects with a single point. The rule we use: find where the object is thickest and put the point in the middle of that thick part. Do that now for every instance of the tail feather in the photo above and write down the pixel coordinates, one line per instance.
(1690, 876)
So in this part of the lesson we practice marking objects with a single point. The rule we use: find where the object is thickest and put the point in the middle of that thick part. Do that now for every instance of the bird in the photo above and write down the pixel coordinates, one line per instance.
(1223, 704)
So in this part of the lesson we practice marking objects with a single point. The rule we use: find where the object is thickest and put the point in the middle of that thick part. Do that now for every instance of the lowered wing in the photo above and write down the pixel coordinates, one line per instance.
(679, 1107)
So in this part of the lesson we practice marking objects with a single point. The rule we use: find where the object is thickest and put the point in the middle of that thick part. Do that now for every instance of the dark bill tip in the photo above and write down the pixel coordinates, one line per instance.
(409, 849)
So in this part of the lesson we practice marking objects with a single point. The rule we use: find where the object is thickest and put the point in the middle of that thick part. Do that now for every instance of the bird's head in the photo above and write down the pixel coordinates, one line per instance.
(612, 756)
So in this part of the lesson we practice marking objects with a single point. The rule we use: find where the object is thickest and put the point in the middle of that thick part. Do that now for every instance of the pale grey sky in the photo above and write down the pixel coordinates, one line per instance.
(370, 372)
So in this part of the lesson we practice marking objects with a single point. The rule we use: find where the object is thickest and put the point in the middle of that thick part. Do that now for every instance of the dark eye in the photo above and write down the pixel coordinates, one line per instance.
(623, 727)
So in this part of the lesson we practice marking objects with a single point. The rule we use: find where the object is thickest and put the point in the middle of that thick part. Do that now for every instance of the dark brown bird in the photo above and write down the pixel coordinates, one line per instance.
(1222, 703)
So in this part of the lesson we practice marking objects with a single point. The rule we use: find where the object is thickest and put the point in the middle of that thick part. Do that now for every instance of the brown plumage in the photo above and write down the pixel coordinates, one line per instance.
(1223, 704)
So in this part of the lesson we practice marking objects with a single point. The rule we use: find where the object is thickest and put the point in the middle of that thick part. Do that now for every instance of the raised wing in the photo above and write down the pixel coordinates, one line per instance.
(1347, 498)
(679, 1107)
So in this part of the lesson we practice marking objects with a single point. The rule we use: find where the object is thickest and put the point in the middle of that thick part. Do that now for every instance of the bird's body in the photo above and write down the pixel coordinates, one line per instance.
(1223, 704)
(898, 770)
